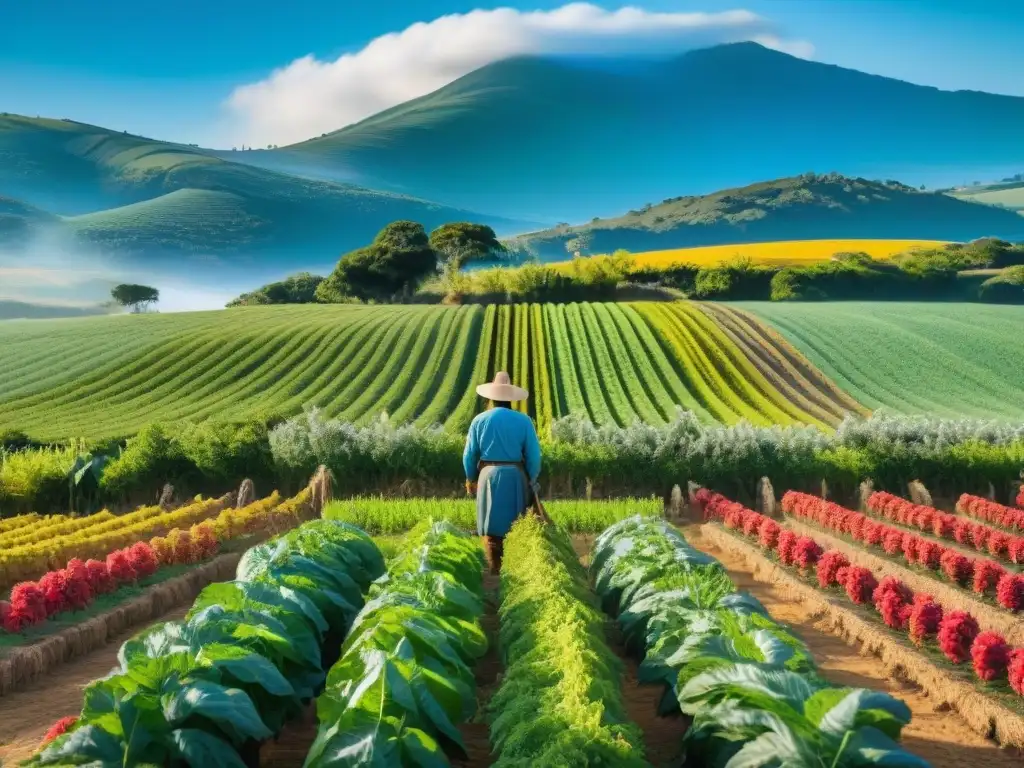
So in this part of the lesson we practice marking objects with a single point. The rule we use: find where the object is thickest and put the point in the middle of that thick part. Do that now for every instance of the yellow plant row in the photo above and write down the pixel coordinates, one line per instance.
(30, 561)
(268, 515)
(51, 527)
(20, 521)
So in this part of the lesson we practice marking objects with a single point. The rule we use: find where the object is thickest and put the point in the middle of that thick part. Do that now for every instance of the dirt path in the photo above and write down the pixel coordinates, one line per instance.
(941, 738)
(26, 715)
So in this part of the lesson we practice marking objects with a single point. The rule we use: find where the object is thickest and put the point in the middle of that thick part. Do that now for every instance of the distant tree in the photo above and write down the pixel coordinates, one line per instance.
(135, 297)
(397, 260)
(460, 242)
(295, 289)
(578, 245)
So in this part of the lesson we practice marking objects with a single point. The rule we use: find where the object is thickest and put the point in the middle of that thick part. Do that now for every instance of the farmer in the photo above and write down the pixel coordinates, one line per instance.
(502, 461)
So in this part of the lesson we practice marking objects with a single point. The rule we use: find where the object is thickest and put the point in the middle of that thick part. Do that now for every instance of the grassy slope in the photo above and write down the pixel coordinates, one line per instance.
(612, 362)
(128, 193)
(1009, 195)
(796, 208)
(605, 138)
(950, 359)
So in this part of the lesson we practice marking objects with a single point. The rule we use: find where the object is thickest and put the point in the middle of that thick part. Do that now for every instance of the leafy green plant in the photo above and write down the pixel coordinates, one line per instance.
(242, 663)
(404, 679)
(560, 701)
(750, 685)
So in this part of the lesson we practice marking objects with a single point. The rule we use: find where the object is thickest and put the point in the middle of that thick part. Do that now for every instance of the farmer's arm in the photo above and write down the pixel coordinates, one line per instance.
(531, 452)
(471, 455)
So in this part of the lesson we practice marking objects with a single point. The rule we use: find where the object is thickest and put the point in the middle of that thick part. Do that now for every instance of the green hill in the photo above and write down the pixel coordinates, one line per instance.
(148, 200)
(1005, 195)
(540, 137)
(807, 207)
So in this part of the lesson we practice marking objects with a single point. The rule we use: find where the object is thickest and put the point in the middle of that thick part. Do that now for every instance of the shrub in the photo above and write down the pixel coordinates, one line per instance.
(990, 655)
(786, 546)
(958, 568)
(828, 566)
(806, 552)
(768, 534)
(986, 576)
(860, 584)
(925, 618)
(1010, 591)
(956, 635)
(1015, 672)
(99, 577)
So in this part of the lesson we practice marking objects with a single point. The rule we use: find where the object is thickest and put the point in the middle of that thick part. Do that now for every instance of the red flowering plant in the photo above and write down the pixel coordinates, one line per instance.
(990, 655)
(785, 546)
(1015, 671)
(59, 728)
(929, 553)
(892, 599)
(958, 568)
(909, 547)
(986, 576)
(768, 534)
(892, 542)
(28, 606)
(119, 568)
(806, 552)
(860, 584)
(957, 631)
(1010, 591)
(828, 566)
(925, 618)
(52, 586)
(991, 512)
(142, 559)
(99, 577)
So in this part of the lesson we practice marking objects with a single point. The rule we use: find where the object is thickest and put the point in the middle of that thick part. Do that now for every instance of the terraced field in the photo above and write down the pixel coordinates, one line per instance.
(614, 363)
(942, 359)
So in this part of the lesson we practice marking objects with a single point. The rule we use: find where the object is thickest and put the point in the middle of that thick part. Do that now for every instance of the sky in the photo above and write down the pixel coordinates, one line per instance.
(230, 72)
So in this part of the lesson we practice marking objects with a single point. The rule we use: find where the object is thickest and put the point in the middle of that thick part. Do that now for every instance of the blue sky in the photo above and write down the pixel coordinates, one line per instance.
(169, 71)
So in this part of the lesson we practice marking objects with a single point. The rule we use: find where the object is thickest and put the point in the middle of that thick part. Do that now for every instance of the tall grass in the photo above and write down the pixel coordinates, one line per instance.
(34, 477)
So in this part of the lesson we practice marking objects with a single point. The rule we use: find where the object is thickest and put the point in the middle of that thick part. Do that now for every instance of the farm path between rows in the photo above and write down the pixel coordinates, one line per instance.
(25, 716)
(941, 738)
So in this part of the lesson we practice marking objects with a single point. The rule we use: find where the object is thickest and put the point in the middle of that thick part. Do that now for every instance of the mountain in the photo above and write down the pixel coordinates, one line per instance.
(21, 310)
(543, 138)
(166, 206)
(807, 207)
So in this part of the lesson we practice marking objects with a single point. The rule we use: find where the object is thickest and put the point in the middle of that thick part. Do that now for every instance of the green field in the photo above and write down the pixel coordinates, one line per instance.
(613, 363)
(941, 359)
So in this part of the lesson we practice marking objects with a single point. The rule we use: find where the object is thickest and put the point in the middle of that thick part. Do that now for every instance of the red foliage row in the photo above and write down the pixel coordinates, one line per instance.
(998, 543)
(983, 509)
(73, 587)
(982, 576)
(956, 633)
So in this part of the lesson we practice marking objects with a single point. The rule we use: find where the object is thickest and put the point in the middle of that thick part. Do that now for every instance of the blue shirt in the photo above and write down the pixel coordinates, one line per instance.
(502, 434)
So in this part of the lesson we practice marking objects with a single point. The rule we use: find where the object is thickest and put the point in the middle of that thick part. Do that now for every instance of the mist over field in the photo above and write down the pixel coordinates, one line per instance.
(53, 270)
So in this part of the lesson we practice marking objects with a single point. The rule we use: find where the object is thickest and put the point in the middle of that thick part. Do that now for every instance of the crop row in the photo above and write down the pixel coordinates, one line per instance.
(1004, 546)
(560, 701)
(925, 621)
(982, 576)
(612, 363)
(207, 690)
(379, 516)
(404, 681)
(75, 585)
(990, 512)
(751, 687)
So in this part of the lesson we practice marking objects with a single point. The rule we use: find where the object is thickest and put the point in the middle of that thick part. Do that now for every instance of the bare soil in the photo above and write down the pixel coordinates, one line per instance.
(25, 716)
(940, 737)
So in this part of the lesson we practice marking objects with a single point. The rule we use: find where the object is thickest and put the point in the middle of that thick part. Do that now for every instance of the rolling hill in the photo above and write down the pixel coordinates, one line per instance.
(144, 200)
(536, 137)
(808, 207)
(1006, 195)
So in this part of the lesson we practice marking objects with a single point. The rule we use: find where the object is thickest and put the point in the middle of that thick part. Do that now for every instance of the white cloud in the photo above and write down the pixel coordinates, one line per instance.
(309, 96)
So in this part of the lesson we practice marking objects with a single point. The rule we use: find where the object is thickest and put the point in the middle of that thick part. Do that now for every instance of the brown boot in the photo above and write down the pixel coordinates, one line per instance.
(494, 548)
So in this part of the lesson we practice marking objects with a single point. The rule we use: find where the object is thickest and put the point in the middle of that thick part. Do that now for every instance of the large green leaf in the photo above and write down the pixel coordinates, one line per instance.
(85, 744)
(199, 748)
(230, 709)
(837, 710)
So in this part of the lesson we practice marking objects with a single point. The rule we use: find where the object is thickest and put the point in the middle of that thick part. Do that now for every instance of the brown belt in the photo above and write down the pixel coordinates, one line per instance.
(485, 463)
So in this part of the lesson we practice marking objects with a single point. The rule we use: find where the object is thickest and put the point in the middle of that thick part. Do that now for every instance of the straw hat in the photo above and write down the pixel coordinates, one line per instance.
(502, 390)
